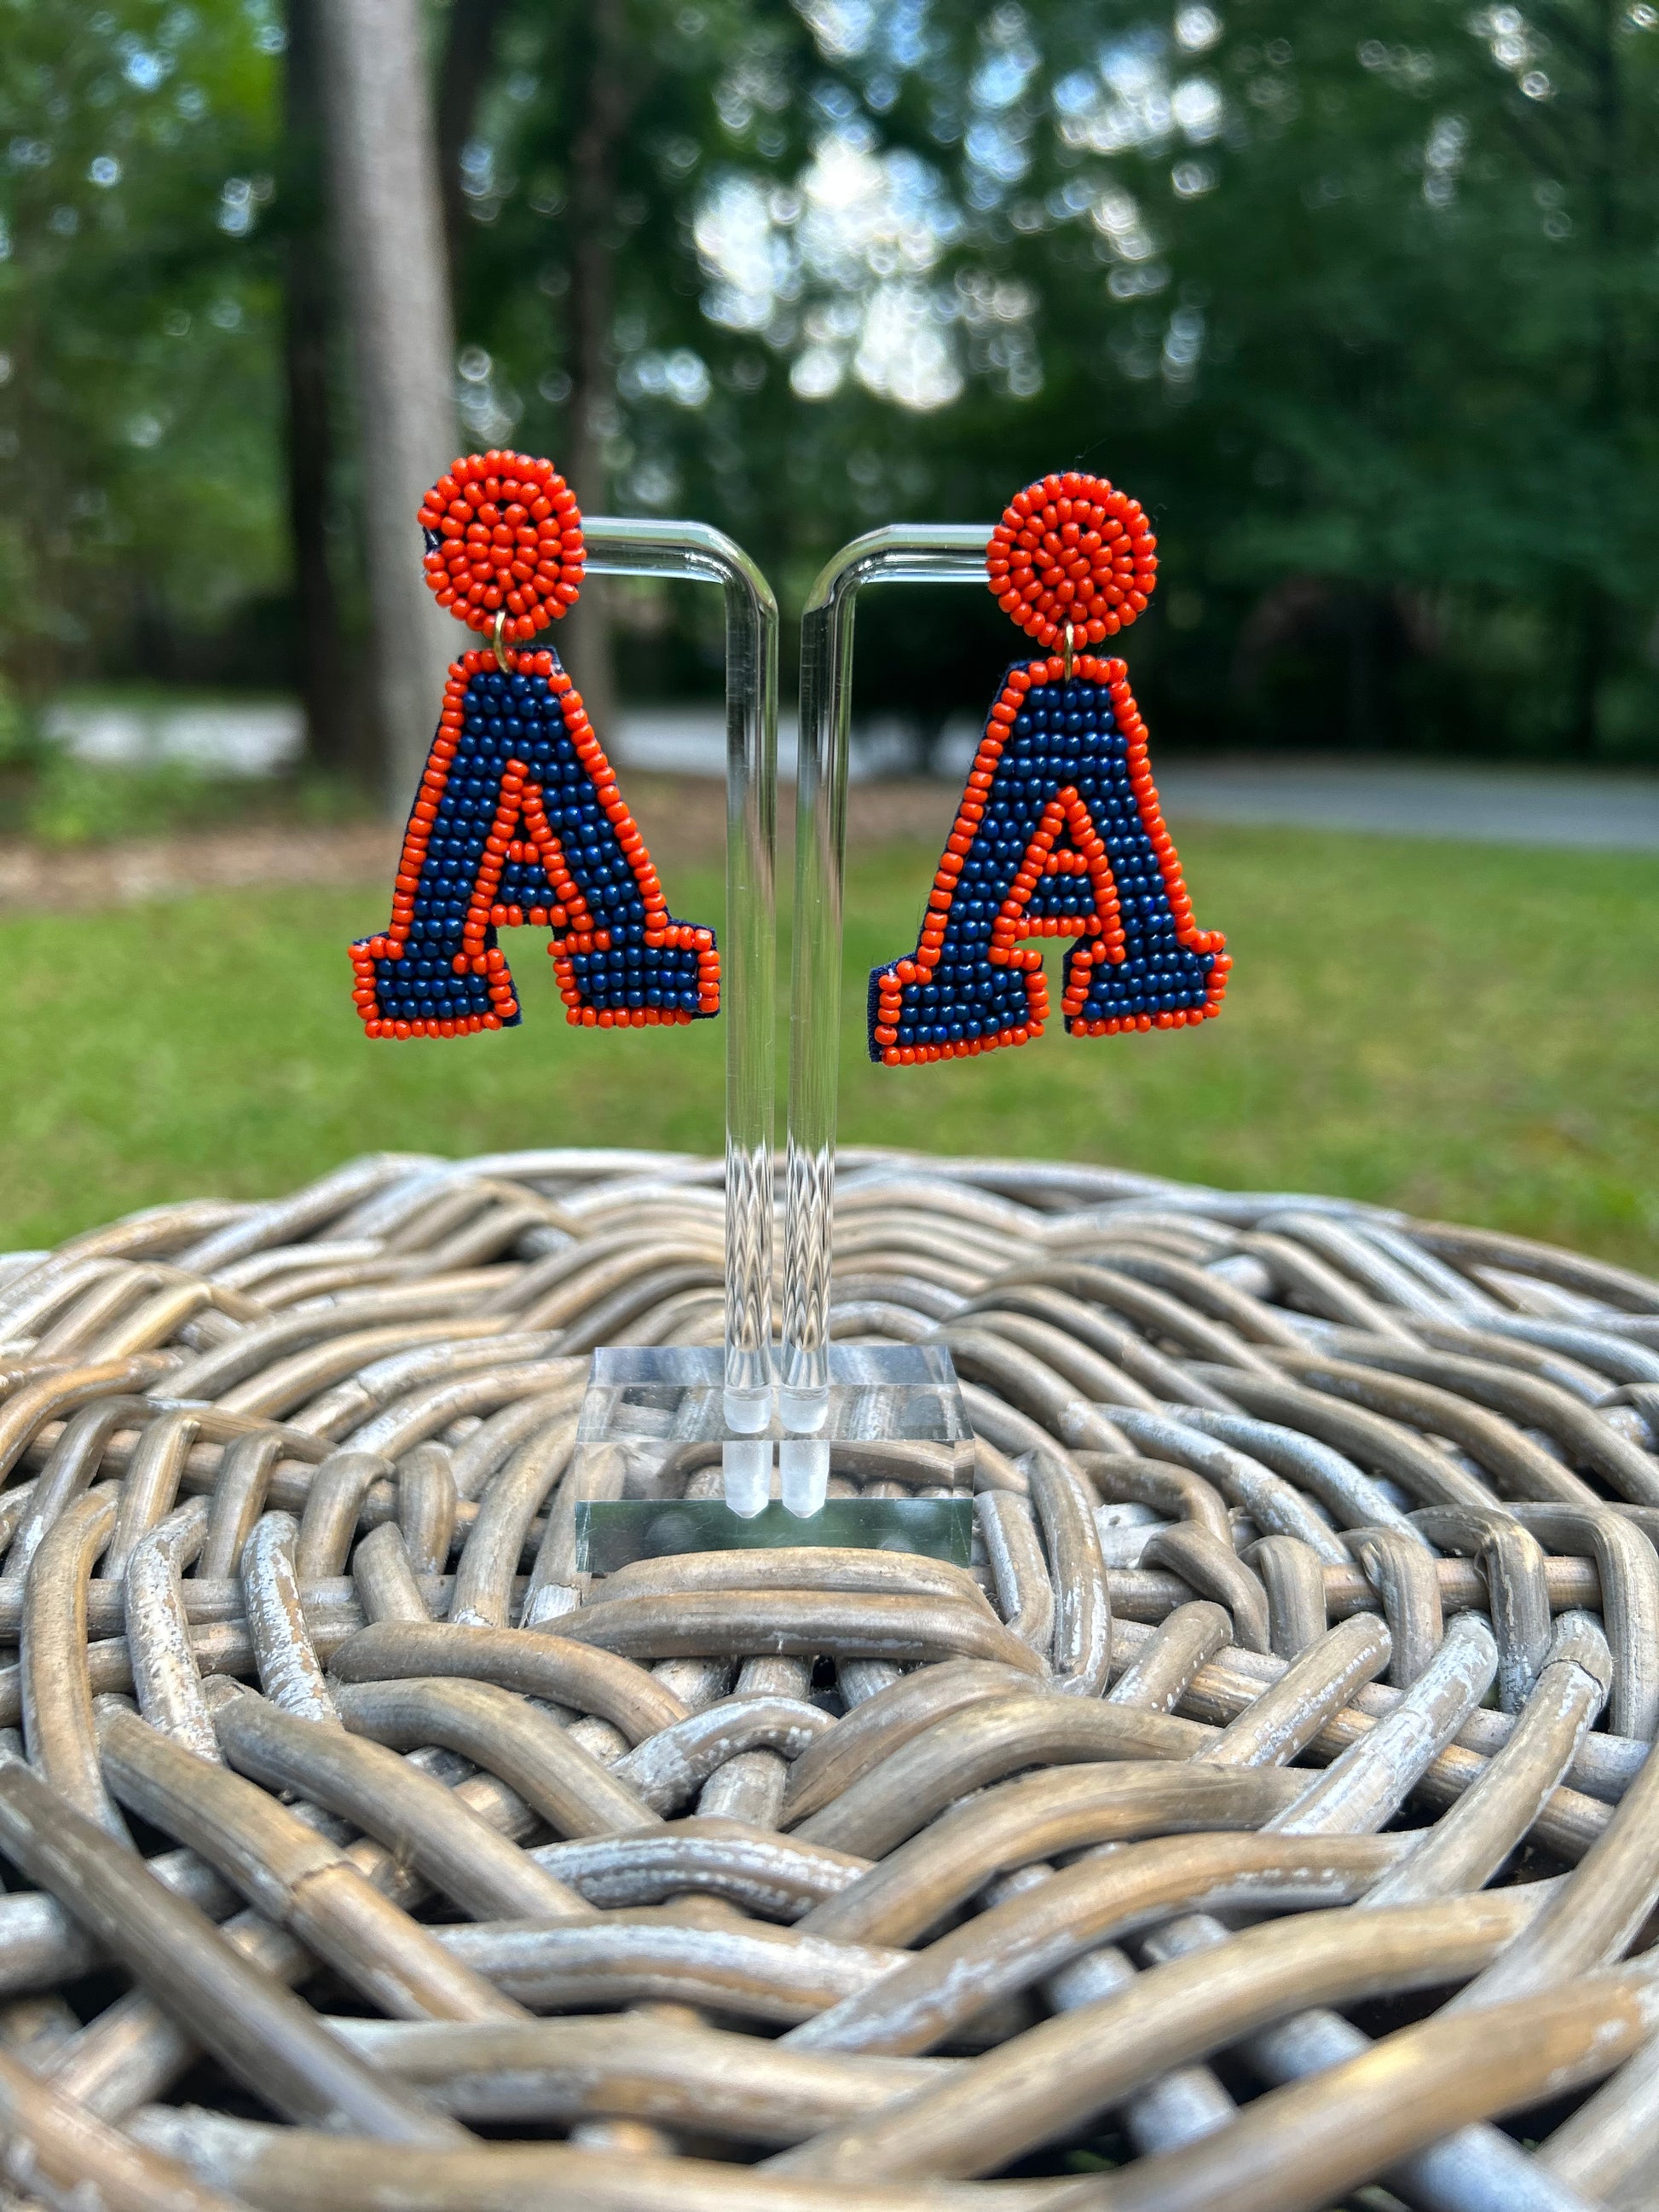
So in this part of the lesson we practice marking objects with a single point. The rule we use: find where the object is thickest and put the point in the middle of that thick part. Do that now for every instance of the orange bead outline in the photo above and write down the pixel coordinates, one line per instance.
(1103, 924)
(566, 914)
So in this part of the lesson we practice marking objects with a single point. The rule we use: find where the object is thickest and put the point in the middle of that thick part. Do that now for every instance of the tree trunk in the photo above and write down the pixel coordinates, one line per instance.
(469, 51)
(325, 671)
(1605, 147)
(585, 640)
(1589, 668)
(384, 173)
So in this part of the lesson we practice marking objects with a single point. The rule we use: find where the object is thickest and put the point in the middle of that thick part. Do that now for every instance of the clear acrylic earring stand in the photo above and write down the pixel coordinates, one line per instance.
(829, 1391)
(676, 1445)
(651, 1410)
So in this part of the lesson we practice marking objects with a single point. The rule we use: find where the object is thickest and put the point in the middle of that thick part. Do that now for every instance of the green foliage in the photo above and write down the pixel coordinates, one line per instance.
(1457, 1032)
(77, 803)
(20, 741)
(1362, 306)
(67, 802)
(139, 455)
(1362, 309)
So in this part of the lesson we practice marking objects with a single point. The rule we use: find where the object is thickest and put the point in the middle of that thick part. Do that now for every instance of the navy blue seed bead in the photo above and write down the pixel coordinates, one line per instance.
(518, 715)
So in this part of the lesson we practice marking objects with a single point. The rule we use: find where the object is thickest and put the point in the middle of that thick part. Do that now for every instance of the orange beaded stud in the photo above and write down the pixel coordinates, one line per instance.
(1059, 832)
(519, 820)
(1073, 550)
(504, 539)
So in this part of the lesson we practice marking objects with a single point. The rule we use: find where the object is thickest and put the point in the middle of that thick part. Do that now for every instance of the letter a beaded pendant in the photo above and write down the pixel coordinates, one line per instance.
(518, 818)
(1059, 832)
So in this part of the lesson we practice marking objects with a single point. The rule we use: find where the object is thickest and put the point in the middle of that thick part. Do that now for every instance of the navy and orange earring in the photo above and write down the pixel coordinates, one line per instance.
(1059, 832)
(518, 818)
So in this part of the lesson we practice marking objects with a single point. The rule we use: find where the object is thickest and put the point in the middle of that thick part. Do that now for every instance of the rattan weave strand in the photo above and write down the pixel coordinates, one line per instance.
(1263, 1820)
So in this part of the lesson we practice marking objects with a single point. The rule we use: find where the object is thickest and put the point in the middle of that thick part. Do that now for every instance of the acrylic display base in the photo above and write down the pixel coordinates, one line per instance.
(608, 1536)
(656, 1431)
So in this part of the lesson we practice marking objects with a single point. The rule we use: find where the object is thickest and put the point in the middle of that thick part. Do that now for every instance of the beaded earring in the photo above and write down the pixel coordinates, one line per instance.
(1059, 832)
(518, 818)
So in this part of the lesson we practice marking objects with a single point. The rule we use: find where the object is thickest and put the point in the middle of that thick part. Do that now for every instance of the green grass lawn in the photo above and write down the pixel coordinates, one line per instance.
(1461, 1032)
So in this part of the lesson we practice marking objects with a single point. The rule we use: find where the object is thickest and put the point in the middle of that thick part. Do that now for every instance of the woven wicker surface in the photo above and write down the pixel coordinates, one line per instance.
(1264, 1818)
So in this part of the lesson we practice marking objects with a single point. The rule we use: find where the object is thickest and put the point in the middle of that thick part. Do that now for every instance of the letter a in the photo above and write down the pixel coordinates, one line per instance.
(1058, 835)
(518, 819)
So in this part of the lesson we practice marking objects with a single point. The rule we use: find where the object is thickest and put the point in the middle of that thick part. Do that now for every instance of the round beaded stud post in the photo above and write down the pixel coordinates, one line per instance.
(1059, 832)
(519, 819)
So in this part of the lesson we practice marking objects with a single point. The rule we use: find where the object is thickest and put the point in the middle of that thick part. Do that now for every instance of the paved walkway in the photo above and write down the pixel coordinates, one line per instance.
(1398, 798)
(1403, 799)
(1489, 806)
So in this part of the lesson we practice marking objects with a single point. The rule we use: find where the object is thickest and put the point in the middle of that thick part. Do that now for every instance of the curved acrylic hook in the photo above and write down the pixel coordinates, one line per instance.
(619, 546)
(903, 553)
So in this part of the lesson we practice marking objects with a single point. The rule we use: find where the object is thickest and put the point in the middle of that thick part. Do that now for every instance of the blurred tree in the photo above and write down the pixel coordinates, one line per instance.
(1366, 319)
(336, 720)
(1360, 303)
(138, 479)
(577, 165)
(386, 201)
